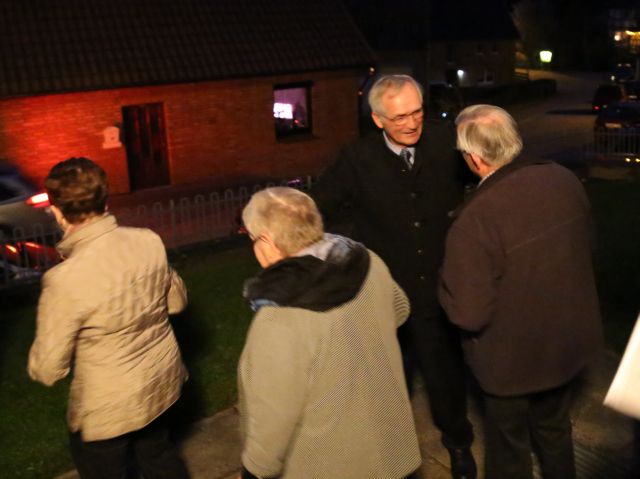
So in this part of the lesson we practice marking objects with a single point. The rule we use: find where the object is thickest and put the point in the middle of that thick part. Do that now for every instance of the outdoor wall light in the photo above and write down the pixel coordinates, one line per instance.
(111, 137)
(460, 73)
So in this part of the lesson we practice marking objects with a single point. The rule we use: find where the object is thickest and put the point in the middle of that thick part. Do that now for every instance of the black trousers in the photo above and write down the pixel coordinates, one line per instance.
(149, 448)
(515, 425)
(431, 345)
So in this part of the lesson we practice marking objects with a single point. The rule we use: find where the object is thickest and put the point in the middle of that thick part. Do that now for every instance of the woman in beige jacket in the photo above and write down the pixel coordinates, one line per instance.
(104, 313)
(322, 392)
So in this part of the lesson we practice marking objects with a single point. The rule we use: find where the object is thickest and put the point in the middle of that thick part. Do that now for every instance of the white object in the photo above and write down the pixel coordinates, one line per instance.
(624, 392)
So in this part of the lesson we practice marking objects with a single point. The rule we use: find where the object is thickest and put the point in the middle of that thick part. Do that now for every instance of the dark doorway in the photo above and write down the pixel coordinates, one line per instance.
(146, 144)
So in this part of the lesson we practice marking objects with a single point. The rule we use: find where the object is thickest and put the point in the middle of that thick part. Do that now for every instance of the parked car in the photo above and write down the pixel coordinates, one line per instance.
(620, 116)
(445, 101)
(623, 72)
(606, 95)
(28, 231)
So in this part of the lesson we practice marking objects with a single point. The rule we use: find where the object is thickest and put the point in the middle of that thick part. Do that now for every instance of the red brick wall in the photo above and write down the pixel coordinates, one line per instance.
(221, 131)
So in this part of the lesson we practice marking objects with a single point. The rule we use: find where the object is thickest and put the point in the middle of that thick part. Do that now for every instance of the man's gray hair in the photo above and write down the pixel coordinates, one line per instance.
(489, 132)
(391, 84)
(290, 217)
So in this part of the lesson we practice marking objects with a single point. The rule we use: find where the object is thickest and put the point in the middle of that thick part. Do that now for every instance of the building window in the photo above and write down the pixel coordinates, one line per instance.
(292, 109)
(485, 78)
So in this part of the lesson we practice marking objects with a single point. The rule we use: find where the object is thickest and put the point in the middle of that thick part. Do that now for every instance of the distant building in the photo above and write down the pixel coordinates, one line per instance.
(624, 28)
(464, 42)
(167, 92)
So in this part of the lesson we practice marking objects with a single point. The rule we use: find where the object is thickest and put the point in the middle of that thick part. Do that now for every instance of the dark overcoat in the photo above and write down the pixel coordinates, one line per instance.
(401, 214)
(518, 277)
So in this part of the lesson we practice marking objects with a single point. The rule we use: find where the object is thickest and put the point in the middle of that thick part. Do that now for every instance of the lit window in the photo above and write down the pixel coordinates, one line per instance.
(291, 109)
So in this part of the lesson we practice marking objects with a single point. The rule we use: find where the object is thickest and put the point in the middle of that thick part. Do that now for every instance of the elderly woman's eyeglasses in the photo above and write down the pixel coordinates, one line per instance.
(403, 119)
(254, 239)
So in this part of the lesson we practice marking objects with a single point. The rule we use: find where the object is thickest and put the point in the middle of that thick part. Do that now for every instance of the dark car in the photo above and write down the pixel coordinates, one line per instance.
(28, 231)
(617, 131)
(623, 72)
(606, 95)
(445, 101)
(620, 116)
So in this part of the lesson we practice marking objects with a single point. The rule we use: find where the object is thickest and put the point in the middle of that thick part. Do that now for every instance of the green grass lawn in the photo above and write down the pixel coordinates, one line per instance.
(33, 432)
(33, 437)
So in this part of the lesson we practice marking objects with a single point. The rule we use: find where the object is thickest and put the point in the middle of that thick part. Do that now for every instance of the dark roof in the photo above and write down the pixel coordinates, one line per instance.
(68, 45)
(412, 24)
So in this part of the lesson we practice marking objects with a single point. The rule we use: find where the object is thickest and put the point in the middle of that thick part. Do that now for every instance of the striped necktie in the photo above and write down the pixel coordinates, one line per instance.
(405, 154)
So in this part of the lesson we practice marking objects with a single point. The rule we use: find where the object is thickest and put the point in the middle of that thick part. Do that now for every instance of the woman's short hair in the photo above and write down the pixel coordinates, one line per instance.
(391, 84)
(489, 132)
(290, 217)
(79, 188)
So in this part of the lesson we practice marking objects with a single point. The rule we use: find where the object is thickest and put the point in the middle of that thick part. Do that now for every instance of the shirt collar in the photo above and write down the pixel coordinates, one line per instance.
(396, 148)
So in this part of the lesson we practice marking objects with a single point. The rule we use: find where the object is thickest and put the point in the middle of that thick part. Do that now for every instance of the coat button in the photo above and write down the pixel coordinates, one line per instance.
(417, 224)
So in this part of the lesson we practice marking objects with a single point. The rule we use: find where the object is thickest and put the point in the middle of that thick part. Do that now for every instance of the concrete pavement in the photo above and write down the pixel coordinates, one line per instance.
(603, 438)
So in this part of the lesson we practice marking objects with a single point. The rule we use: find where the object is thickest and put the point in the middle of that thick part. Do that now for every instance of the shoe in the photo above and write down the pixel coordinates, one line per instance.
(463, 466)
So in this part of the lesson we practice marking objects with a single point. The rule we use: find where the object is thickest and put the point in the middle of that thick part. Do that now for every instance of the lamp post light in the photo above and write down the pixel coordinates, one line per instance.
(545, 58)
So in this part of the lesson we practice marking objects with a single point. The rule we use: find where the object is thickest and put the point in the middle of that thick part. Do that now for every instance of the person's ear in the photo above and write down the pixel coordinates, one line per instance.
(62, 222)
(479, 164)
(377, 120)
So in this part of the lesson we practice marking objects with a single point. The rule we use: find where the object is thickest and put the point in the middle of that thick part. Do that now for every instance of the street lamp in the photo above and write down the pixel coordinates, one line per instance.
(545, 57)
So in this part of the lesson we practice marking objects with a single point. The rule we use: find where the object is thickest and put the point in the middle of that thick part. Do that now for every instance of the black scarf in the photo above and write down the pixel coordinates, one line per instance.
(309, 282)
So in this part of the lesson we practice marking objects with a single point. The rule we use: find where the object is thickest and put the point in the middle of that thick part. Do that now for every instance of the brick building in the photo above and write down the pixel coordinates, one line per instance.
(169, 92)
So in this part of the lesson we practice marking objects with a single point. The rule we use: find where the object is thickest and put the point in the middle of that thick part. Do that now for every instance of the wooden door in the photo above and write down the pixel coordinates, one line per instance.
(146, 145)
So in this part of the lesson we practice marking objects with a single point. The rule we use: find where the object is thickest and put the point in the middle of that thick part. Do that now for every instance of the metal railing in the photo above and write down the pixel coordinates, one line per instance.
(614, 154)
(616, 144)
(24, 256)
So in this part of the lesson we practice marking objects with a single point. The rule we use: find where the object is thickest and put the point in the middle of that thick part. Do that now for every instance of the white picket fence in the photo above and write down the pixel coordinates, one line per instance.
(179, 222)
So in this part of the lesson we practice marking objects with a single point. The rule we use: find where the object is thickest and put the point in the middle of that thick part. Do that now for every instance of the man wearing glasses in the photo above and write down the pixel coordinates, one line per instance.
(398, 187)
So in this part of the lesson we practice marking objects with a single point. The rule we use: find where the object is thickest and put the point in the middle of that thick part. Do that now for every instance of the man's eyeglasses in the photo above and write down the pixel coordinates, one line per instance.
(403, 119)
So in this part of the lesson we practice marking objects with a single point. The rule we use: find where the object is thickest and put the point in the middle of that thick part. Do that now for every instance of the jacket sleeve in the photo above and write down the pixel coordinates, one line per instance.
(274, 375)
(335, 187)
(468, 282)
(177, 295)
(58, 322)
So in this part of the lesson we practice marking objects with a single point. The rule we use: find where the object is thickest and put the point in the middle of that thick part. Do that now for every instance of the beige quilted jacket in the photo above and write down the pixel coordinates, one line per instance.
(104, 313)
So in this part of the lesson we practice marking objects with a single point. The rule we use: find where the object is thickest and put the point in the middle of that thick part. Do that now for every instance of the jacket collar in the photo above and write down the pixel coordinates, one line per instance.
(495, 178)
(85, 234)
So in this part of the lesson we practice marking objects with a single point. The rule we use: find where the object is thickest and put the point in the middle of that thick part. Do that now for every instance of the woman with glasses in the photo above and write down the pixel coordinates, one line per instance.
(322, 390)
